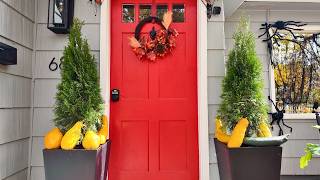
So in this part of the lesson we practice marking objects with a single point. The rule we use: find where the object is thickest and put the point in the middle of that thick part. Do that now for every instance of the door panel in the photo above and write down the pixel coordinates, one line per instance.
(172, 78)
(134, 74)
(173, 145)
(153, 127)
(134, 145)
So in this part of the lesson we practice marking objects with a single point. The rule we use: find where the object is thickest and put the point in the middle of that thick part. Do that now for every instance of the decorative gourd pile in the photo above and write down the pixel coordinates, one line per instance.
(243, 111)
(78, 111)
(90, 140)
(237, 136)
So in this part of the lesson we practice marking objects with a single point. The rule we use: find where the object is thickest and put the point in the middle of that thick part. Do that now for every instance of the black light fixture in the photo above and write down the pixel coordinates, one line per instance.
(8, 54)
(212, 10)
(216, 10)
(209, 10)
(60, 15)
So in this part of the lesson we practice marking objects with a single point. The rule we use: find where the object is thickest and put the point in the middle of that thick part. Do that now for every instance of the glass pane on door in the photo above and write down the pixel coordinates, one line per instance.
(161, 10)
(128, 13)
(178, 13)
(144, 11)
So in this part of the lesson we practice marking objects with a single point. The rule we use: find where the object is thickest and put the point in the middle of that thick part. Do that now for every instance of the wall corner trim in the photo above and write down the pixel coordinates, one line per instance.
(105, 42)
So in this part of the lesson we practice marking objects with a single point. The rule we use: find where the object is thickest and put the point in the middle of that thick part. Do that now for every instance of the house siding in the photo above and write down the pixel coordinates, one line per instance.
(28, 89)
(220, 41)
(216, 71)
(50, 45)
(16, 29)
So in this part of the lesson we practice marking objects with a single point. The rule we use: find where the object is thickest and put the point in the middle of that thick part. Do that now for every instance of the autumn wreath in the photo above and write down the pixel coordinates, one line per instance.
(158, 43)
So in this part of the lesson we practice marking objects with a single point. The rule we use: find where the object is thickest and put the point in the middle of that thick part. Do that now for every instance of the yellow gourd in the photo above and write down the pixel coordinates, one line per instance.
(103, 139)
(72, 137)
(91, 140)
(238, 133)
(264, 130)
(52, 140)
(104, 131)
(220, 135)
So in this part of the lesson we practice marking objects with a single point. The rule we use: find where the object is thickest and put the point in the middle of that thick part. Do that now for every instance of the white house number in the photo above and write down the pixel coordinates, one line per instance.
(53, 66)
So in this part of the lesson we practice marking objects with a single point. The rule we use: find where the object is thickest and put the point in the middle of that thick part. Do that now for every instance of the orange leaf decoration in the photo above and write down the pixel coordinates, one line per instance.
(167, 19)
(148, 48)
(134, 43)
(152, 56)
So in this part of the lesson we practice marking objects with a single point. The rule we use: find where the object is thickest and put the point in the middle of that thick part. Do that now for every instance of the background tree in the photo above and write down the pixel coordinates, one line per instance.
(297, 75)
(78, 97)
(242, 94)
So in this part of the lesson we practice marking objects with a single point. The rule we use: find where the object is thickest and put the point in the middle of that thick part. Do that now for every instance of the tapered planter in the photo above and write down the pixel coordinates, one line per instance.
(248, 163)
(77, 164)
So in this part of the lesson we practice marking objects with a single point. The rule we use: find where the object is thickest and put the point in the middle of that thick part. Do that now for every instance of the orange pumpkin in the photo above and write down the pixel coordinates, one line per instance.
(53, 138)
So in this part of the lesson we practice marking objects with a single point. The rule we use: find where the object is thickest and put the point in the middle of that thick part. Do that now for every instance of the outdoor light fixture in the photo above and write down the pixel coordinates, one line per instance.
(8, 54)
(209, 10)
(60, 15)
(212, 10)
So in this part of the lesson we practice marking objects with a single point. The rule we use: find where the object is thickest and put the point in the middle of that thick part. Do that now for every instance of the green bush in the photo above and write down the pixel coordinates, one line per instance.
(311, 150)
(242, 89)
(78, 97)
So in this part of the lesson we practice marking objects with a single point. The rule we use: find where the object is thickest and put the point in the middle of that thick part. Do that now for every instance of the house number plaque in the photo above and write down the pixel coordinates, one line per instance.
(53, 65)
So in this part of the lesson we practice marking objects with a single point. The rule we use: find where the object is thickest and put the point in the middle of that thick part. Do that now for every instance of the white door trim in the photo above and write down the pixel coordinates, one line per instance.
(203, 133)
(105, 39)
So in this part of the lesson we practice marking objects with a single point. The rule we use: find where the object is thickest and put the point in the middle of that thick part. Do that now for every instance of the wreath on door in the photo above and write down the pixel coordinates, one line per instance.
(158, 43)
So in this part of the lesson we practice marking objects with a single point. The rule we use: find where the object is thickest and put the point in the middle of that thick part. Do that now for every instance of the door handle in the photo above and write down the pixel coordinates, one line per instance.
(115, 95)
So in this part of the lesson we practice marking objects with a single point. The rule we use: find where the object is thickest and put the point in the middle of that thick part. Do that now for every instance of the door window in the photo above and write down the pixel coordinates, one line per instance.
(144, 11)
(178, 11)
(128, 13)
(161, 10)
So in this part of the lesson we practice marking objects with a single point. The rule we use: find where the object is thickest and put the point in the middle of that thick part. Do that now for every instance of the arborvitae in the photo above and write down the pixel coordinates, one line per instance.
(242, 91)
(78, 97)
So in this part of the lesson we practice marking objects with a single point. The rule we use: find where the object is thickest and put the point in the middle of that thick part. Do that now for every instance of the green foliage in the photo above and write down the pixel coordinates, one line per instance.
(311, 150)
(242, 89)
(78, 96)
(317, 126)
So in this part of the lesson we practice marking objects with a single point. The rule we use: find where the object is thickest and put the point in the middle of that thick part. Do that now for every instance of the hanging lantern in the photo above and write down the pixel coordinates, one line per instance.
(60, 15)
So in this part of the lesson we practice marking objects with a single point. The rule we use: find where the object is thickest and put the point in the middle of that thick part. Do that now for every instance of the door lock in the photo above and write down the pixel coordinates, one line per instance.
(115, 95)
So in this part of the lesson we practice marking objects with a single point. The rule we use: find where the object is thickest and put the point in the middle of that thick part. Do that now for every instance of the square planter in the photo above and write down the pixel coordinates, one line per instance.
(248, 163)
(77, 164)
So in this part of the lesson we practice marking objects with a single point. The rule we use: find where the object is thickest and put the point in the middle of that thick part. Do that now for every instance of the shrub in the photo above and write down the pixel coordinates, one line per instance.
(242, 89)
(78, 96)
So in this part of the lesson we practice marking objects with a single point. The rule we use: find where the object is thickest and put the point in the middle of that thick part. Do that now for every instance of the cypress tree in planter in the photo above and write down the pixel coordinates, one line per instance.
(243, 113)
(81, 128)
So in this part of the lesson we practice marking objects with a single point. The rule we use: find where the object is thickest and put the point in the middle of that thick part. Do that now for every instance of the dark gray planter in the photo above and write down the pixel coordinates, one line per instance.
(248, 163)
(77, 164)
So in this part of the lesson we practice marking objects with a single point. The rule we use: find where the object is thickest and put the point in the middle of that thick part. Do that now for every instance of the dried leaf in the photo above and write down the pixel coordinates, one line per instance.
(152, 56)
(167, 19)
(134, 43)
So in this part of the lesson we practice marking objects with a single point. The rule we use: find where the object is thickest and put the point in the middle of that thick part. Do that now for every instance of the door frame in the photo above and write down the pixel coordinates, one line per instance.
(104, 65)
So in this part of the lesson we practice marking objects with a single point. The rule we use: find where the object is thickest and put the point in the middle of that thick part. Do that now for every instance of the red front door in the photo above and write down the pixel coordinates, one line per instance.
(154, 125)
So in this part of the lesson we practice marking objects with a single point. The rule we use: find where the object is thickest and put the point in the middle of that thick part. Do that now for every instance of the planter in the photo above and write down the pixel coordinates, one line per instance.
(248, 163)
(77, 164)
